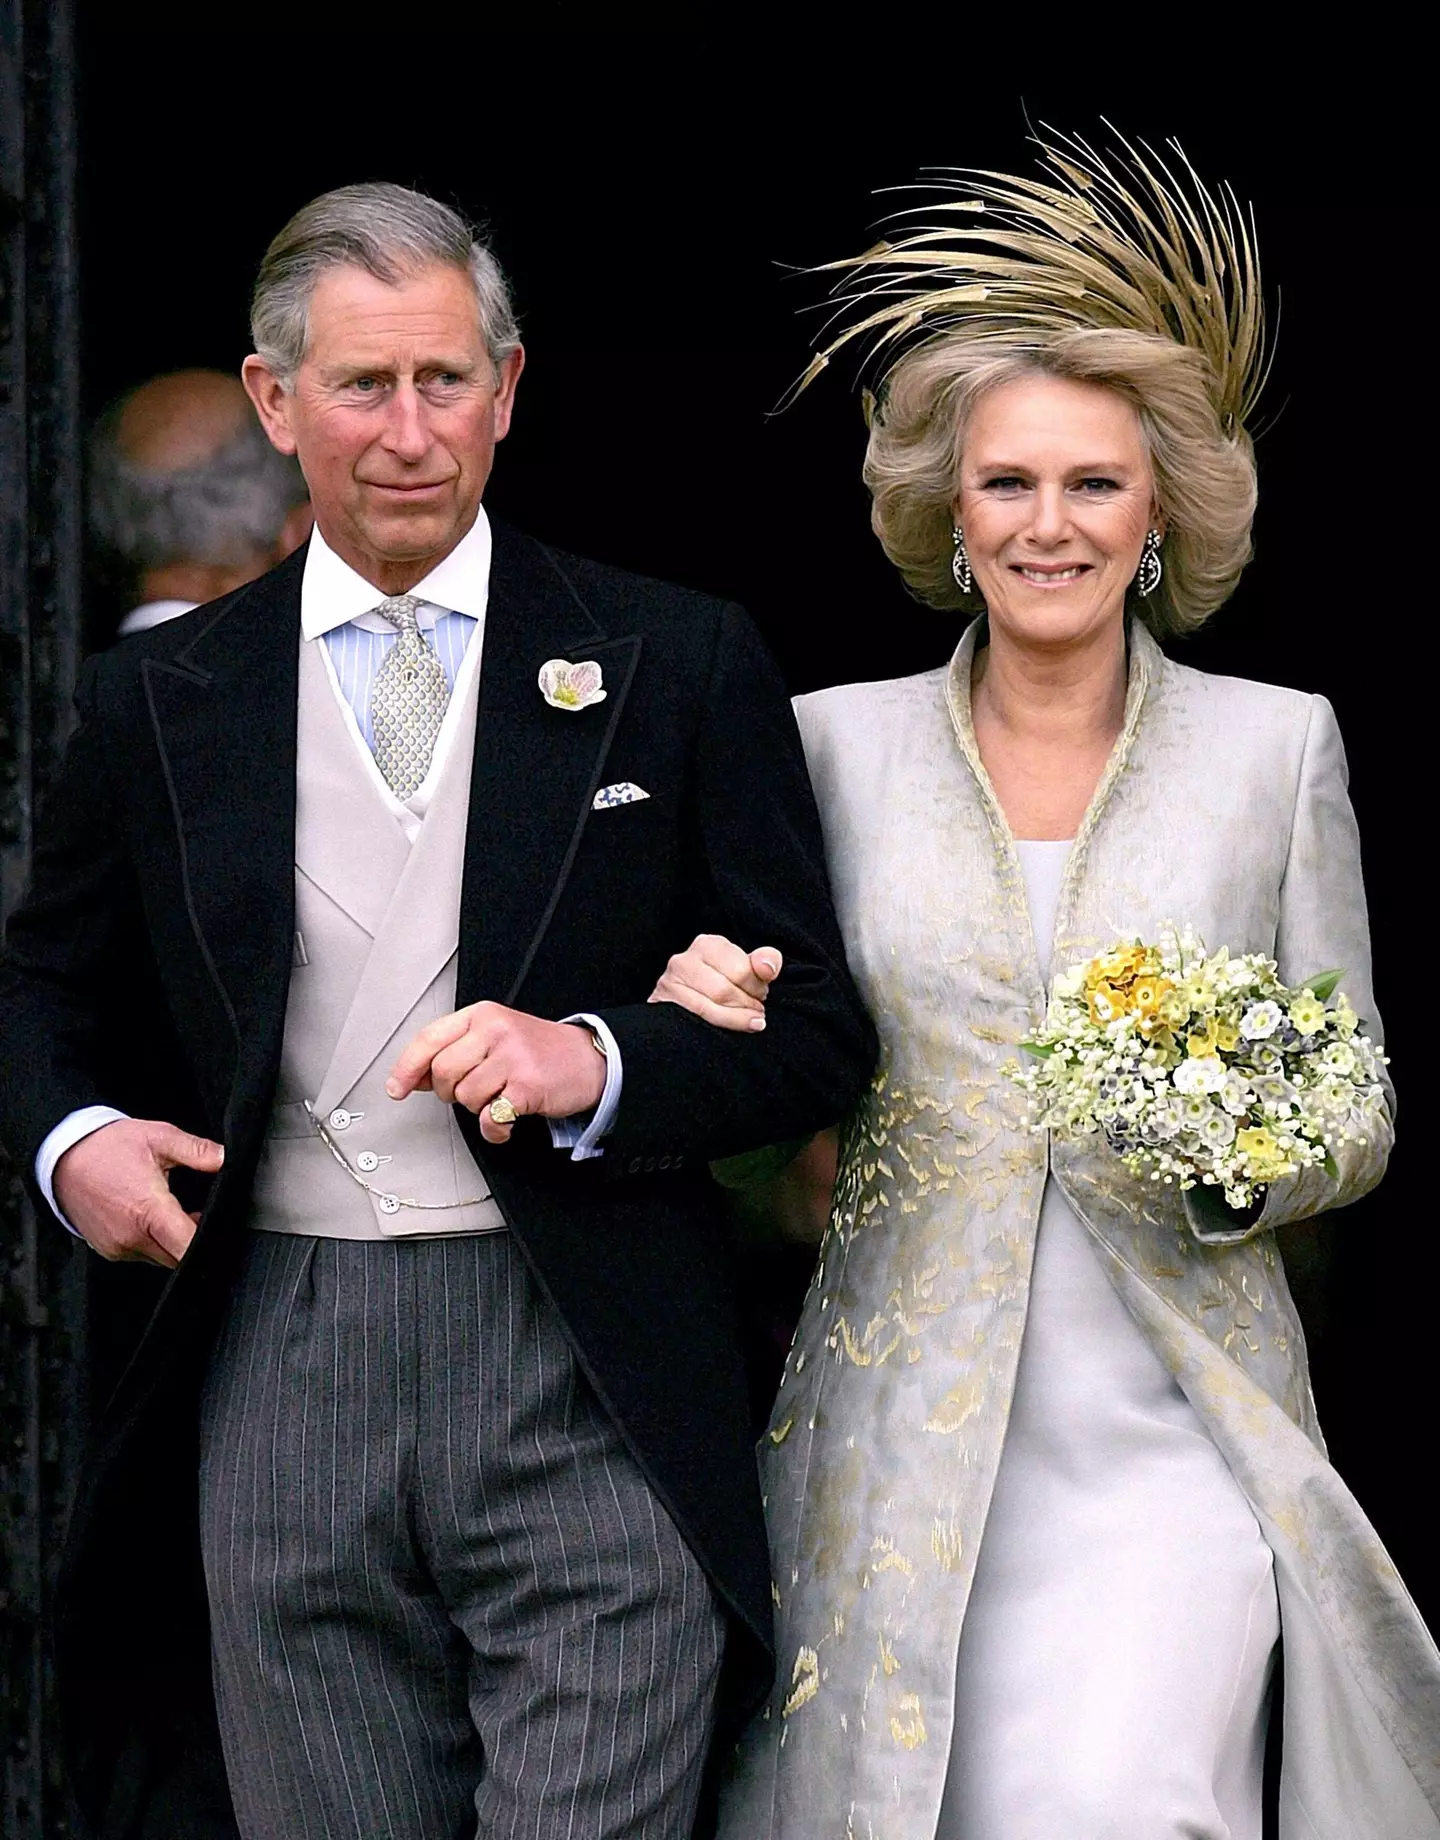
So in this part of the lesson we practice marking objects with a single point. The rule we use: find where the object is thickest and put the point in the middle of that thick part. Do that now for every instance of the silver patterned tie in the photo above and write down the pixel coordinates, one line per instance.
(407, 700)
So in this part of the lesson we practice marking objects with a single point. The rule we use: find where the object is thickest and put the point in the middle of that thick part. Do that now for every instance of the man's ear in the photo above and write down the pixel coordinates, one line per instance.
(505, 384)
(271, 399)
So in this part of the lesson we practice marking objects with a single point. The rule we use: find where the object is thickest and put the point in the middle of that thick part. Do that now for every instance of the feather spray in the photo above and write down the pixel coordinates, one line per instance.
(1131, 241)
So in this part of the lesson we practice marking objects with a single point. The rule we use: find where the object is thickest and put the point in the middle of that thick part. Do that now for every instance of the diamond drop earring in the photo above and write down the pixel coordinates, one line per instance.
(960, 563)
(1151, 567)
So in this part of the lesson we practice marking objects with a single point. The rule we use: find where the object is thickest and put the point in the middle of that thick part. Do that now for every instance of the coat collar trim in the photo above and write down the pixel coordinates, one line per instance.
(1146, 663)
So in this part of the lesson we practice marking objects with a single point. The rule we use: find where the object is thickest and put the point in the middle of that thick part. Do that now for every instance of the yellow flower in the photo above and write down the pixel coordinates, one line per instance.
(1120, 967)
(1307, 1012)
(1264, 1157)
(1106, 1003)
(1216, 1034)
(1147, 995)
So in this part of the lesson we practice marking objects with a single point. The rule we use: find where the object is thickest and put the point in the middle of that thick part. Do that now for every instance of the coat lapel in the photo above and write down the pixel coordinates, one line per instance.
(223, 710)
(536, 768)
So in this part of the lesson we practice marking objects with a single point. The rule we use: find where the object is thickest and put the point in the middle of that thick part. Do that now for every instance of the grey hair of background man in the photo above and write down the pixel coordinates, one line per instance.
(390, 233)
(223, 511)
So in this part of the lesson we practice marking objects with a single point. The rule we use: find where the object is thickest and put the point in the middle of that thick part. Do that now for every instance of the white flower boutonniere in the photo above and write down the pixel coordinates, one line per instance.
(571, 686)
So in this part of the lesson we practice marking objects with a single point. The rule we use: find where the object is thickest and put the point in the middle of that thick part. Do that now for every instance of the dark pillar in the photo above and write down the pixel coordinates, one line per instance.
(42, 1307)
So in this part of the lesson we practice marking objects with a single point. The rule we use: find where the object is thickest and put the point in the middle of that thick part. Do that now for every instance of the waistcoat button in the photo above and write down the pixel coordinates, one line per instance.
(389, 1204)
(368, 1161)
(340, 1119)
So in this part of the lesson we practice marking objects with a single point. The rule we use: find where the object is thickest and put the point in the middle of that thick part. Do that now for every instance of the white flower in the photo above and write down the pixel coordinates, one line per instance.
(1161, 1121)
(571, 686)
(1204, 1074)
(1335, 1095)
(1260, 1020)
(1235, 1095)
(1275, 1093)
(1218, 1129)
(1338, 1057)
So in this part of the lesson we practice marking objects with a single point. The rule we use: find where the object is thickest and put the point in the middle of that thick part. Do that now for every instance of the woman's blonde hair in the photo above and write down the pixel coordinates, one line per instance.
(1204, 476)
(1125, 272)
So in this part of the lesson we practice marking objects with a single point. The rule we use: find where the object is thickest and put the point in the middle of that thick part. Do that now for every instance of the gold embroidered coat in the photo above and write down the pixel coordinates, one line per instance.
(1224, 807)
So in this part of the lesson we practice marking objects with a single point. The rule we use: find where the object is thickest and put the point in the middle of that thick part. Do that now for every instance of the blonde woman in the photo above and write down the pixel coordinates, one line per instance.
(1047, 1499)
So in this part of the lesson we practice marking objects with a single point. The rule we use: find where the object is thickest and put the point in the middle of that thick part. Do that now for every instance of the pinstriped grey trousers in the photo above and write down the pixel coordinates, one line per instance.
(444, 1600)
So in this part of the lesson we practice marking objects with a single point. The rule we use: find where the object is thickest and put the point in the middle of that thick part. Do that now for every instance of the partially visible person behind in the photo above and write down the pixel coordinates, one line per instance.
(187, 498)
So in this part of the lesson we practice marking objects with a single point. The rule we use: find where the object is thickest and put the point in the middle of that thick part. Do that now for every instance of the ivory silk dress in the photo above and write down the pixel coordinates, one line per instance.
(904, 1641)
(1108, 1684)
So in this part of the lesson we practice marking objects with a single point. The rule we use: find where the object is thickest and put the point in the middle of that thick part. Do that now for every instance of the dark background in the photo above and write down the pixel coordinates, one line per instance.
(650, 194)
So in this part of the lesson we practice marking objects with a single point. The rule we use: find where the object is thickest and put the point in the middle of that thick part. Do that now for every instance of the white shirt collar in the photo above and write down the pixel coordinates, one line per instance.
(153, 613)
(332, 594)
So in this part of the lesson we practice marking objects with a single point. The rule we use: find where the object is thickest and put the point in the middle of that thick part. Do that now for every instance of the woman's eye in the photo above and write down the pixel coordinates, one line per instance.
(1004, 482)
(1099, 483)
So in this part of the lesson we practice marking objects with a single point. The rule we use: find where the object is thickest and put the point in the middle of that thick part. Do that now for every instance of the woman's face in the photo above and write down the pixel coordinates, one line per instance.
(1056, 495)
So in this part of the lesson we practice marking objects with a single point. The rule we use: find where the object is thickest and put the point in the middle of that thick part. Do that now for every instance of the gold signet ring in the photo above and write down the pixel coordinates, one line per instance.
(502, 1111)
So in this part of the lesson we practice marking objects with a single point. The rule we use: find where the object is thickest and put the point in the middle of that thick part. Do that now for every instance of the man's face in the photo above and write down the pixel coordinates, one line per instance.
(394, 416)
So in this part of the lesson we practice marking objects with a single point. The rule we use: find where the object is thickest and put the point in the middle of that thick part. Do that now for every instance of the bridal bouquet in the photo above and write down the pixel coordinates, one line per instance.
(1202, 1069)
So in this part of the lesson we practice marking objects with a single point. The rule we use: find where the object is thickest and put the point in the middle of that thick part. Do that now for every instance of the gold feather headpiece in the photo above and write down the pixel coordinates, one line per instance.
(1129, 242)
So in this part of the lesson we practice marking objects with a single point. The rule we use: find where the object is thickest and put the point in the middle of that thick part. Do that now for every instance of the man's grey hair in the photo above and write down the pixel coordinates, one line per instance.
(390, 233)
(222, 511)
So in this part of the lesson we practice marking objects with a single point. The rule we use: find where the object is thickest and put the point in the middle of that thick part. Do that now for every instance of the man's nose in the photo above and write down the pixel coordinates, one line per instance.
(406, 435)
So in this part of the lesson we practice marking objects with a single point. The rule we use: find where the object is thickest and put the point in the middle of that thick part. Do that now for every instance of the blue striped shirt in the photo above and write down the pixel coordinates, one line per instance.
(358, 653)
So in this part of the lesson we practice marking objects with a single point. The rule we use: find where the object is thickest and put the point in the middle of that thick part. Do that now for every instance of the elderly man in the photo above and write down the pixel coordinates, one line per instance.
(187, 498)
(428, 1498)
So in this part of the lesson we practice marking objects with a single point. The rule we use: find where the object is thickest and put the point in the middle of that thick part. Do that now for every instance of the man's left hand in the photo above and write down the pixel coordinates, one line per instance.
(545, 1069)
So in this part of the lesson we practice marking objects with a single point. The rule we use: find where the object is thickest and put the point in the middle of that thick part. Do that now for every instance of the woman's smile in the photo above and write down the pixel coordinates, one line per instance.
(1050, 574)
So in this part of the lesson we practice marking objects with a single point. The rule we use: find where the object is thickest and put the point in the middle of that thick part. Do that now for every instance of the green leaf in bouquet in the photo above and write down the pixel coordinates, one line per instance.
(1323, 984)
(752, 1168)
(1040, 1049)
(1331, 1167)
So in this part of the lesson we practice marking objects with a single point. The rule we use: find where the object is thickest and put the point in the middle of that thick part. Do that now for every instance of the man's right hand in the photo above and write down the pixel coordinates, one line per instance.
(114, 1190)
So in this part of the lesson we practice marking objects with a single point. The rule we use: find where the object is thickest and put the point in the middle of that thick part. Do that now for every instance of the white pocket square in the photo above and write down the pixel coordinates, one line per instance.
(625, 793)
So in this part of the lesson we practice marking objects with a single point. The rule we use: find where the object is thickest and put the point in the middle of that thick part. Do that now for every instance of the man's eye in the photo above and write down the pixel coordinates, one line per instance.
(365, 386)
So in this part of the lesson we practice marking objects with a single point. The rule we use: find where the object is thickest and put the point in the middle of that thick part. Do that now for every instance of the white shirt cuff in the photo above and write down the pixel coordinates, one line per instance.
(64, 1137)
(579, 1135)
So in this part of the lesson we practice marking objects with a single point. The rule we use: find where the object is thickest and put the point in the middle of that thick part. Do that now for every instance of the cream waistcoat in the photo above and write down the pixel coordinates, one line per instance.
(377, 915)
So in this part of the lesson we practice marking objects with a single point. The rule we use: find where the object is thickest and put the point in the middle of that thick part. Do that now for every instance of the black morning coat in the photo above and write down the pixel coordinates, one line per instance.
(166, 865)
